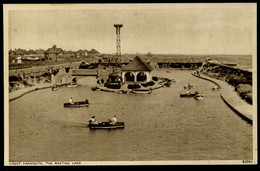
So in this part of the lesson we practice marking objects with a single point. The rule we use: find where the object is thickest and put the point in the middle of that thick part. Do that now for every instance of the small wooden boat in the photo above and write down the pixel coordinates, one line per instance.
(215, 88)
(141, 91)
(187, 94)
(168, 84)
(106, 125)
(95, 89)
(198, 97)
(72, 85)
(77, 104)
(54, 88)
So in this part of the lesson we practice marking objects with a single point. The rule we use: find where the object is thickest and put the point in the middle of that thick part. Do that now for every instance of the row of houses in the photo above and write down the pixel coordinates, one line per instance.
(51, 54)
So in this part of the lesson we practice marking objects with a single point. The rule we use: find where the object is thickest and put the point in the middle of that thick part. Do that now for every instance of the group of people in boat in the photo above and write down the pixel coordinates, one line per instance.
(112, 121)
(215, 87)
(198, 94)
(100, 82)
(54, 87)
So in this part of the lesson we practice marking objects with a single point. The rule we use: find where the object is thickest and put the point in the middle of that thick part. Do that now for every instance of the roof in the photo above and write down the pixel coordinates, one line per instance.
(93, 51)
(54, 49)
(137, 64)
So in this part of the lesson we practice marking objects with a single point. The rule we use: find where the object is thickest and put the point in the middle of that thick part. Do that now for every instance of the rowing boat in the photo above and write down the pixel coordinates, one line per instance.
(77, 104)
(106, 125)
(72, 85)
(198, 97)
(54, 88)
(187, 94)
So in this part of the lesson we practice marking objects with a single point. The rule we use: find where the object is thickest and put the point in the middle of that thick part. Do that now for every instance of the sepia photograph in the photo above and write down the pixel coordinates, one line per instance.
(130, 84)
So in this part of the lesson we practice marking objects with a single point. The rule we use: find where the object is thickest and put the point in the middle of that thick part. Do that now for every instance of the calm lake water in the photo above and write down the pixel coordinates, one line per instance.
(158, 126)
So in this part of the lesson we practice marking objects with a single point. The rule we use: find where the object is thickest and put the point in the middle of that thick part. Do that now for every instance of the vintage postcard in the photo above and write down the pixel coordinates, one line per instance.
(130, 84)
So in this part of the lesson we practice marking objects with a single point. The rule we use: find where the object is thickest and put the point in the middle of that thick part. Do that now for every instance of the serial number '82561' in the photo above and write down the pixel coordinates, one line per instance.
(247, 161)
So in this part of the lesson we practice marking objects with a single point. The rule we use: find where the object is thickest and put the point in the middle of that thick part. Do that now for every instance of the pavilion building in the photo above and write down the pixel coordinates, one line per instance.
(137, 70)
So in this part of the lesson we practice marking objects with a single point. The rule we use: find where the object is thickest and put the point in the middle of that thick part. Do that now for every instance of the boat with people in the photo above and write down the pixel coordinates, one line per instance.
(215, 87)
(110, 124)
(95, 88)
(72, 85)
(187, 94)
(54, 88)
(77, 104)
(106, 125)
(199, 96)
(168, 84)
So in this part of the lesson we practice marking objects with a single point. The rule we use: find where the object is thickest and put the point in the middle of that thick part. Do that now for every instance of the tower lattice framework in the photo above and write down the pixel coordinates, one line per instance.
(118, 43)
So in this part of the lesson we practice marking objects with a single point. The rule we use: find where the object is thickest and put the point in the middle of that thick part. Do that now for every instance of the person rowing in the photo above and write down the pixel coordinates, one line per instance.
(93, 120)
(113, 120)
(71, 101)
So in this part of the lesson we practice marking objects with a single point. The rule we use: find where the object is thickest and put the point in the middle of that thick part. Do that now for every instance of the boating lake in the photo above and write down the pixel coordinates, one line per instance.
(158, 126)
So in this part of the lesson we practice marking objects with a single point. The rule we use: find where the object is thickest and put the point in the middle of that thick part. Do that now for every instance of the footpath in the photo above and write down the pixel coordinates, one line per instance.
(19, 93)
(60, 79)
(232, 99)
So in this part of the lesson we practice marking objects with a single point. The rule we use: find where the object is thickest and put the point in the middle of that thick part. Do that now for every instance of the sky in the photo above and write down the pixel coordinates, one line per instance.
(163, 29)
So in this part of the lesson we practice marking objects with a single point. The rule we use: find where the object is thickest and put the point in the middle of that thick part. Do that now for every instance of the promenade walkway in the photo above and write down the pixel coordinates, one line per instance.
(66, 77)
(232, 99)
(19, 93)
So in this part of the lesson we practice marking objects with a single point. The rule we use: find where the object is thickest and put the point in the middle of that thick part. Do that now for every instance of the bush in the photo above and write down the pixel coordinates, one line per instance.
(242, 95)
(133, 86)
(144, 84)
(248, 98)
(246, 88)
(150, 83)
(235, 80)
(155, 78)
(114, 86)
